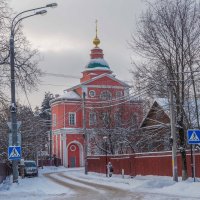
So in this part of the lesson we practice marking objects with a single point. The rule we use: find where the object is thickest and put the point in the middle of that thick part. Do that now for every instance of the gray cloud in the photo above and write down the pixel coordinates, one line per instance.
(64, 37)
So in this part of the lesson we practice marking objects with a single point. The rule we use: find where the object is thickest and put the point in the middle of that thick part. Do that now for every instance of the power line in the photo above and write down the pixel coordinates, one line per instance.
(52, 85)
(60, 75)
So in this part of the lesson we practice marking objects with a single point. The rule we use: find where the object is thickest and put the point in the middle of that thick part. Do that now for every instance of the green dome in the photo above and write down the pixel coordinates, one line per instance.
(98, 63)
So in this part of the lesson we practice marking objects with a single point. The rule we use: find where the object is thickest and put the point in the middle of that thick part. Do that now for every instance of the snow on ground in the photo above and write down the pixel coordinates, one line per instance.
(33, 188)
(41, 188)
(151, 184)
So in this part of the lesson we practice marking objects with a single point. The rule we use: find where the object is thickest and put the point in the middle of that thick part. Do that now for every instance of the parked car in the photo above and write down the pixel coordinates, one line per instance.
(30, 168)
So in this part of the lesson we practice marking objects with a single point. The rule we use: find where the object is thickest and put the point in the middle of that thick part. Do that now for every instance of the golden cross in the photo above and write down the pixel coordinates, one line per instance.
(96, 26)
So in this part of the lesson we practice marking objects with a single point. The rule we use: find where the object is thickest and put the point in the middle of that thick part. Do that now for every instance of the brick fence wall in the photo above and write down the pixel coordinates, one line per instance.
(142, 164)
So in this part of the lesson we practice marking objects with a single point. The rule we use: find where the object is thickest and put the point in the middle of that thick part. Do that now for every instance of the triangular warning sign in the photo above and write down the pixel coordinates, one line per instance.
(194, 137)
(14, 153)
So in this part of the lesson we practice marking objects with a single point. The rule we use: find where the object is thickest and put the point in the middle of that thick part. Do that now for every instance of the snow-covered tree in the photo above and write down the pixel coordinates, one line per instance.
(45, 111)
(112, 127)
(33, 130)
(167, 39)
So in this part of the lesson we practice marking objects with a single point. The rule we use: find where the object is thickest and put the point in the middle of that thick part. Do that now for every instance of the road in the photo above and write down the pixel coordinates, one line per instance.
(85, 190)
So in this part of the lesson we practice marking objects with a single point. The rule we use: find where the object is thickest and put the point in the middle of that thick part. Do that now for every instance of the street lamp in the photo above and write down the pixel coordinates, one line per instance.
(105, 139)
(13, 108)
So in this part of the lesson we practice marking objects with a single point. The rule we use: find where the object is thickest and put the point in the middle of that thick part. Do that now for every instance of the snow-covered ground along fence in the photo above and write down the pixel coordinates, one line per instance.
(47, 162)
(150, 163)
(4, 171)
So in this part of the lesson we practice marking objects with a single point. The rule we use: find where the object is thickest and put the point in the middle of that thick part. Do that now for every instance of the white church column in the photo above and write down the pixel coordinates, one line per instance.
(64, 153)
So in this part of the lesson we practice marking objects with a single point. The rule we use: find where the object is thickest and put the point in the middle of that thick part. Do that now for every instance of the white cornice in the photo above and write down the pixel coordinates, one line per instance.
(105, 86)
(64, 101)
(96, 78)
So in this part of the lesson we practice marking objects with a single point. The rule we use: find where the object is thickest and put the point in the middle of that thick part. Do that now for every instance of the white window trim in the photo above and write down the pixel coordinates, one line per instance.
(93, 121)
(74, 118)
(106, 120)
(106, 97)
(92, 95)
(119, 94)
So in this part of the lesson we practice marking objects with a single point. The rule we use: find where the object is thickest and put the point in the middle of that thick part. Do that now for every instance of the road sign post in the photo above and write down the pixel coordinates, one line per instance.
(193, 137)
(14, 152)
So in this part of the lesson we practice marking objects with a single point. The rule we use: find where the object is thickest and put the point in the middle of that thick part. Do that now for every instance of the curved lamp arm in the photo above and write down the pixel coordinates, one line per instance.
(14, 25)
(52, 5)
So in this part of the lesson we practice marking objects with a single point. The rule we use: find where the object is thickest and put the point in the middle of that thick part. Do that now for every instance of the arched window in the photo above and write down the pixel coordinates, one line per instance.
(119, 94)
(106, 95)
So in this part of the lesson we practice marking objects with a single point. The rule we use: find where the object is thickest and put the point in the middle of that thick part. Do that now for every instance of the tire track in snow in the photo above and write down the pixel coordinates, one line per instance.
(92, 193)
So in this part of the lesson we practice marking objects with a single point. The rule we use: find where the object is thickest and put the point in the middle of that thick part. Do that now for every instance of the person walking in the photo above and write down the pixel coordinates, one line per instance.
(110, 169)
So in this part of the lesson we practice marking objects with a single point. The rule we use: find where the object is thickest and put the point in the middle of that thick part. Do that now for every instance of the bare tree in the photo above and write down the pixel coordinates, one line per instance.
(26, 59)
(168, 39)
(116, 120)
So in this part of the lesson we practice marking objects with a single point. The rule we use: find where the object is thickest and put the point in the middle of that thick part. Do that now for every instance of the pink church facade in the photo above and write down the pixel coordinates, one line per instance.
(101, 89)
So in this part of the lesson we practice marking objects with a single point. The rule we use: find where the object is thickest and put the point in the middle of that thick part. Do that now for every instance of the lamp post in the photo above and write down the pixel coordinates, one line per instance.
(85, 134)
(105, 139)
(13, 108)
(173, 131)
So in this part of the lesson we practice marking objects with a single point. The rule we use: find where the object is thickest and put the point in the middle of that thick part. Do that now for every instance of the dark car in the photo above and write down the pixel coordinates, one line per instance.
(30, 168)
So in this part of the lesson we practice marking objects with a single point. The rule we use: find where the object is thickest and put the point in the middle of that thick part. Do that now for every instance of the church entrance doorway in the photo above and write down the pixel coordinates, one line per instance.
(73, 155)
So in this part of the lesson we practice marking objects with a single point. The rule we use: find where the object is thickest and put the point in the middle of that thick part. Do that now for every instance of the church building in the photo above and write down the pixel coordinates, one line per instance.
(77, 112)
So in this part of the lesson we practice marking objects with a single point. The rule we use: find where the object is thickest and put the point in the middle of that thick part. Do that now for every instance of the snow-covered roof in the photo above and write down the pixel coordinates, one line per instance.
(97, 63)
(70, 95)
(164, 103)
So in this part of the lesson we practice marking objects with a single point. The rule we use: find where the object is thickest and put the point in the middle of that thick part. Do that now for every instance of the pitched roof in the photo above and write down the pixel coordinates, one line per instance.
(162, 104)
(98, 77)
(71, 95)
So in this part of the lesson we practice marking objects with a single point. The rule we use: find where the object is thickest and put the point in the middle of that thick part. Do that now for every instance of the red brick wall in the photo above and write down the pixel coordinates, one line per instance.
(142, 164)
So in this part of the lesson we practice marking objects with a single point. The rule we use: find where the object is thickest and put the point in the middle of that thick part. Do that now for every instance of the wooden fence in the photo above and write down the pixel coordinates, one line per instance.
(159, 163)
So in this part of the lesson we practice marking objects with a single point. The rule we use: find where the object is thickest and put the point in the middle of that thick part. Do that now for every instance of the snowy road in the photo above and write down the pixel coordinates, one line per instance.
(72, 184)
(85, 190)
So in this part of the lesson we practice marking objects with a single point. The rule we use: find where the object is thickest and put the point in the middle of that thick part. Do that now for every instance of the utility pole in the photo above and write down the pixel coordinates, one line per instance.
(13, 108)
(106, 147)
(173, 134)
(50, 145)
(85, 134)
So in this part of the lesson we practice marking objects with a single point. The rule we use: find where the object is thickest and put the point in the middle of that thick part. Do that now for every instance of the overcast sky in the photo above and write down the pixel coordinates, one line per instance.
(64, 38)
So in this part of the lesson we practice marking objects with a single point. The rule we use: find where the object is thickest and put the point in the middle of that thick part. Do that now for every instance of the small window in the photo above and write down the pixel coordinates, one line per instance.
(118, 119)
(92, 93)
(106, 118)
(72, 119)
(92, 118)
(106, 95)
(119, 94)
(54, 120)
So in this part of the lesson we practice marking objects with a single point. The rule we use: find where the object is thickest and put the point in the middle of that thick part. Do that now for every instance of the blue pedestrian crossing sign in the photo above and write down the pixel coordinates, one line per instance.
(193, 136)
(14, 152)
